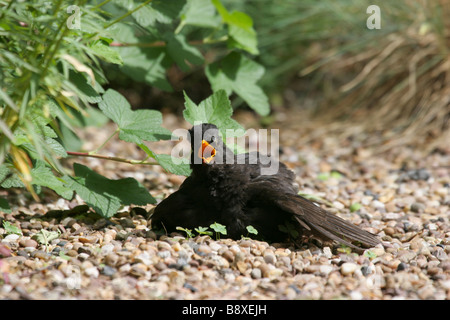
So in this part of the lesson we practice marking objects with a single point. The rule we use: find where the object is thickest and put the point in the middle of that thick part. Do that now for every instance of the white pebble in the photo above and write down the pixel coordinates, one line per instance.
(348, 268)
(11, 237)
(91, 272)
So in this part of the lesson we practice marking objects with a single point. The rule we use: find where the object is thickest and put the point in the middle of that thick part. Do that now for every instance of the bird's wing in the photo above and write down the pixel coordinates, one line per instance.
(310, 216)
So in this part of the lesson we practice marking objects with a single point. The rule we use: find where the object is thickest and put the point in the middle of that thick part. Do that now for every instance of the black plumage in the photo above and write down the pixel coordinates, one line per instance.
(238, 195)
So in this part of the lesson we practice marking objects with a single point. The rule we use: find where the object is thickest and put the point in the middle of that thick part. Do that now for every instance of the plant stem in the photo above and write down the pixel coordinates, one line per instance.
(106, 141)
(101, 4)
(127, 14)
(99, 156)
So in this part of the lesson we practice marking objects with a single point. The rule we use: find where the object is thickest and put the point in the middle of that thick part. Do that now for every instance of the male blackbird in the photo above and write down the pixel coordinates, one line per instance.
(221, 190)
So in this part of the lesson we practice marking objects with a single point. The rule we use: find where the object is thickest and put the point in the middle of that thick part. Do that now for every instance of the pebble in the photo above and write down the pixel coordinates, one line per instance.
(11, 238)
(348, 268)
(28, 243)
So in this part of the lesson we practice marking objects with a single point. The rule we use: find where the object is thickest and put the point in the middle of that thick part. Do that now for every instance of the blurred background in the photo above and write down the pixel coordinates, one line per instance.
(320, 57)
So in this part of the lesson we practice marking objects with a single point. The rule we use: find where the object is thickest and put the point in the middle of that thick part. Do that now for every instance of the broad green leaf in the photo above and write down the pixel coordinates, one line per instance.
(134, 126)
(181, 51)
(176, 166)
(240, 28)
(162, 11)
(147, 65)
(219, 228)
(103, 50)
(83, 87)
(106, 196)
(236, 73)
(216, 110)
(43, 176)
(200, 13)
(252, 230)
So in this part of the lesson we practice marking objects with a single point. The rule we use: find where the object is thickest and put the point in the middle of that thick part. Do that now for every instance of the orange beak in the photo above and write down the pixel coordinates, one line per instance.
(206, 152)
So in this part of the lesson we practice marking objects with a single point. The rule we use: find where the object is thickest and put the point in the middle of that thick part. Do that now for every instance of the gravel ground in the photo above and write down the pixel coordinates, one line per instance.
(404, 198)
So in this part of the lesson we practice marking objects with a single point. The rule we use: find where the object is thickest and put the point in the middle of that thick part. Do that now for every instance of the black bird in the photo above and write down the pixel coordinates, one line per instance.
(221, 190)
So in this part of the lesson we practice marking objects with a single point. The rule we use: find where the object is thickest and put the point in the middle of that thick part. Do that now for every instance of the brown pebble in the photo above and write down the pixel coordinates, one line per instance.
(28, 243)
(228, 255)
(72, 253)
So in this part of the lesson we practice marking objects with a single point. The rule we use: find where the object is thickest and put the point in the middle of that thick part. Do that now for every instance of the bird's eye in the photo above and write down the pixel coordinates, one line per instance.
(213, 139)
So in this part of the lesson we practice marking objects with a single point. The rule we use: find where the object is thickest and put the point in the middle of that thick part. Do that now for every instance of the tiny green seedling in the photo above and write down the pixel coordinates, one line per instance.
(219, 229)
(355, 207)
(203, 230)
(11, 229)
(189, 233)
(44, 237)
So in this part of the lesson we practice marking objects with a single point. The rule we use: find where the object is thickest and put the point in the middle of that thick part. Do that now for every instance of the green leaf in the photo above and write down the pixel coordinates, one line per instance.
(188, 231)
(105, 195)
(200, 13)
(43, 176)
(203, 230)
(11, 229)
(252, 230)
(181, 51)
(176, 166)
(236, 73)
(219, 228)
(216, 110)
(4, 206)
(102, 49)
(44, 236)
(134, 126)
(147, 65)
(355, 207)
(162, 11)
(370, 254)
(240, 28)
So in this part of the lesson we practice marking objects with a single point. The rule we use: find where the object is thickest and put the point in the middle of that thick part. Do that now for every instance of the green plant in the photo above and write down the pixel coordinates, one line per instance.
(11, 229)
(188, 232)
(52, 56)
(203, 230)
(219, 229)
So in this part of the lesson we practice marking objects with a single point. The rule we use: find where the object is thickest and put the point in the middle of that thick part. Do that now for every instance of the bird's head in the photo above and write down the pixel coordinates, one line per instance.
(206, 144)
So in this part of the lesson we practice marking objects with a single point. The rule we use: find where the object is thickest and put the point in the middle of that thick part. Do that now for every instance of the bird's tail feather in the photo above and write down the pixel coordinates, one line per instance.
(324, 223)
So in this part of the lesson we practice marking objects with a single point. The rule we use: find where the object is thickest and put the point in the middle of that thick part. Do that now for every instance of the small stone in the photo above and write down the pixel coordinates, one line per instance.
(325, 269)
(138, 270)
(203, 250)
(150, 234)
(402, 266)
(265, 270)
(92, 272)
(39, 254)
(418, 207)
(228, 255)
(111, 259)
(127, 223)
(28, 243)
(242, 266)
(11, 237)
(348, 268)
(122, 235)
(83, 256)
(108, 271)
(72, 253)
(256, 273)
(88, 239)
(99, 224)
(270, 258)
